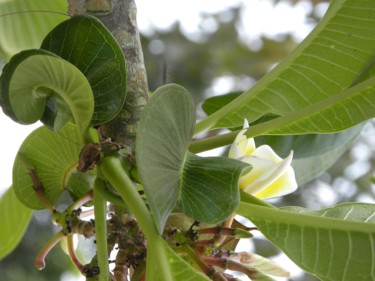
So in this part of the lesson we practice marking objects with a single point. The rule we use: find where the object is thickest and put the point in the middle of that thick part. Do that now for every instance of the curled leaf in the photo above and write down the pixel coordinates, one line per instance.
(34, 77)
(86, 43)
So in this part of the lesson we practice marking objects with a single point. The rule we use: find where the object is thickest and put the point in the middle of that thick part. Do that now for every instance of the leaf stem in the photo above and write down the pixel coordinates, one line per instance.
(100, 209)
(72, 254)
(111, 197)
(112, 169)
(39, 259)
(81, 201)
(212, 142)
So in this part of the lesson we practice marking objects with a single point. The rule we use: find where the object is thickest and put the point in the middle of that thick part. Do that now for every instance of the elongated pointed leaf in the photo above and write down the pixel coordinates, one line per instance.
(333, 244)
(313, 153)
(305, 146)
(339, 112)
(34, 76)
(205, 188)
(24, 24)
(54, 158)
(85, 42)
(311, 87)
(14, 217)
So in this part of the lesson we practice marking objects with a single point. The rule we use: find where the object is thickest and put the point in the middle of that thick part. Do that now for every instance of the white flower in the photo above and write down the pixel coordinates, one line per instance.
(270, 176)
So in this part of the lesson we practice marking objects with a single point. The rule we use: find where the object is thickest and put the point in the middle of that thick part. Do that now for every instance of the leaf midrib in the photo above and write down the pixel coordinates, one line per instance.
(286, 217)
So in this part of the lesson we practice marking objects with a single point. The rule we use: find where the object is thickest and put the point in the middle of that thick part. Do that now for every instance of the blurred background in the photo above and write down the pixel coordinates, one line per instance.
(210, 48)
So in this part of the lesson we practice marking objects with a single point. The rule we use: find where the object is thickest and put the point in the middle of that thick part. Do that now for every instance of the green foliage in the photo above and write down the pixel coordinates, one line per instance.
(330, 243)
(180, 268)
(24, 24)
(316, 89)
(103, 64)
(34, 77)
(313, 154)
(14, 218)
(208, 184)
(54, 158)
(170, 174)
(55, 89)
(325, 86)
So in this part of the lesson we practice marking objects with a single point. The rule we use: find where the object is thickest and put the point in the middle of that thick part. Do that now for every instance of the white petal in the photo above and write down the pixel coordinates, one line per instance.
(266, 152)
(283, 185)
(241, 146)
(267, 179)
(245, 124)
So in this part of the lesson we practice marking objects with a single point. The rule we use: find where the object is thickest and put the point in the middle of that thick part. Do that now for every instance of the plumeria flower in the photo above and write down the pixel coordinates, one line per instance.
(270, 176)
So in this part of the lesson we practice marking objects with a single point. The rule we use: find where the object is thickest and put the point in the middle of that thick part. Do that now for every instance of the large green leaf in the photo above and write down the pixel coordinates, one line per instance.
(205, 188)
(85, 42)
(24, 24)
(34, 76)
(14, 218)
(313, 86)
(310, 144)
(213, 104)
(308, 168)
(54, 158)
(313, 154)
(334, 244)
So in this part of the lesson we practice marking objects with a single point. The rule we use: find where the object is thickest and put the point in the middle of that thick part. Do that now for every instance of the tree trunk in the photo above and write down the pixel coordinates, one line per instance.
(119, 16)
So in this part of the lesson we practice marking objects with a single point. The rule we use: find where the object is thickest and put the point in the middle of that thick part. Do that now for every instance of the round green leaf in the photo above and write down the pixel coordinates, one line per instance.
(85, 42)
(205, 188)
(34, 76)
(54, 158)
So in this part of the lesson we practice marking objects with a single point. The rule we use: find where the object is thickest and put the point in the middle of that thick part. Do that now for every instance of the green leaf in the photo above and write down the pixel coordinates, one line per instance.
(305, 146)
(34, 76)
(333, 244)
(209, 190)
(181, 270)
(78, 184)
(339, 112)
(312, 90)
(313, 154)
(24, 24)
(215, 103)
(85, 42)
(14, 218)
(54, 158)
(205, 188)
